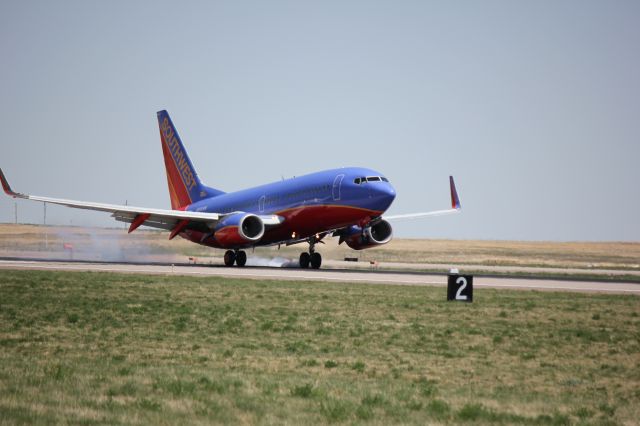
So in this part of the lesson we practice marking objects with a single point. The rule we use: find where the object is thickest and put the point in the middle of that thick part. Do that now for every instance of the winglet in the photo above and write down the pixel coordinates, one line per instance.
(455, 201)
(7, 188)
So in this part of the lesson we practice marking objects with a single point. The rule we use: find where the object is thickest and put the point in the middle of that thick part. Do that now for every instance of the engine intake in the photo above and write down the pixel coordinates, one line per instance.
(371, 236)
(251, 228)
(238, 230)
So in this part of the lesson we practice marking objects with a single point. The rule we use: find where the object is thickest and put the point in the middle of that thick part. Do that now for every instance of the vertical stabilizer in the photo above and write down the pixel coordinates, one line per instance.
(185, 187)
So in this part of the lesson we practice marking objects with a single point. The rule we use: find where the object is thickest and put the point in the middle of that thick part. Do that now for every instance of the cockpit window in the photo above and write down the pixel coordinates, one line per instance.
(363, 179)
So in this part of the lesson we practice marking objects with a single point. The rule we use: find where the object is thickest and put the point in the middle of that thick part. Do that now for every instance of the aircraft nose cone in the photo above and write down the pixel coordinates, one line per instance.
(384, 194)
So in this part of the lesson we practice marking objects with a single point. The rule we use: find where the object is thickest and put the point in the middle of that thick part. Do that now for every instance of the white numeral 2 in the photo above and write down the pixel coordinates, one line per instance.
(463, 281)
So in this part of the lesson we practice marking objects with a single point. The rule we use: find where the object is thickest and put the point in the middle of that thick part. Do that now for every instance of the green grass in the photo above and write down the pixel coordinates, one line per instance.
(96, 348)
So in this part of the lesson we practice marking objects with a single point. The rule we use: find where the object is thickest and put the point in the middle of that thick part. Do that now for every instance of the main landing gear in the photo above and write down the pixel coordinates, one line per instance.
(239, 257)
(312, 258)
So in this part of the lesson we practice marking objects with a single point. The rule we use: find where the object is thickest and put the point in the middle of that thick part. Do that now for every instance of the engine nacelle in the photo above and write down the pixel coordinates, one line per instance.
(239, 230)
(379, 233)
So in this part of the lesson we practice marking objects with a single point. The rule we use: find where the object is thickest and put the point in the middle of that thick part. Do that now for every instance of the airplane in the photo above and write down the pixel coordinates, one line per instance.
(348, 203)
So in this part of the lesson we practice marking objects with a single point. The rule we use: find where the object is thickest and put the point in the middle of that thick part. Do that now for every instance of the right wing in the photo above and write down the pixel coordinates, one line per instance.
(455, 207)
(171, 220)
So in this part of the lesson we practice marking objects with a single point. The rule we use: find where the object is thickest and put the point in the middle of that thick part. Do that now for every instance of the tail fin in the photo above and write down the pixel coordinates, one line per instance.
(184, 185)
(455, 200)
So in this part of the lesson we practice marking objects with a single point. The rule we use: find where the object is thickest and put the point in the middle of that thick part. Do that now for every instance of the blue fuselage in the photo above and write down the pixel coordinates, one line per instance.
(310, 204)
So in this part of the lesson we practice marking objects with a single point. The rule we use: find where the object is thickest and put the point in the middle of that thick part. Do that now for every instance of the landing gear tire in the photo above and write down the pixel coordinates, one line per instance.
(304, 260)
(241, 258)
(316, 260)
(229, 258)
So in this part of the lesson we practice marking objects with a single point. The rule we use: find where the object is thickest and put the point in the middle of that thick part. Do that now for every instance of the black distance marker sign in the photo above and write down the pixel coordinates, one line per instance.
(460, 288)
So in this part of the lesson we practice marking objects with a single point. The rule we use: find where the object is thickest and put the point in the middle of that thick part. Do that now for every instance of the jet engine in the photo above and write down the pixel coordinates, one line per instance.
(238, 230)
(370, 236)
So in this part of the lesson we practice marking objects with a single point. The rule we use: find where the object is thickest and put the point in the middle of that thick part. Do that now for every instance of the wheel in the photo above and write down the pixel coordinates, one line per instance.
(304, 260)
(241, 258)
(229, 258)
(316, 260)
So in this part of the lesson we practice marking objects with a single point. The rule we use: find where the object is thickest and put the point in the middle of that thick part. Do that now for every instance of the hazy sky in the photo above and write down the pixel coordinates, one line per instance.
(533, 106)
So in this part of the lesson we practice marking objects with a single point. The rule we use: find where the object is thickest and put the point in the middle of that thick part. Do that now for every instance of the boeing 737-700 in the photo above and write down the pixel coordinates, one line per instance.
(348, 203)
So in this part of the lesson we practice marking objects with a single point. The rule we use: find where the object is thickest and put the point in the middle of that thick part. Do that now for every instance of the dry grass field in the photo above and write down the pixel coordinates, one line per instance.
(115, 244)
(516, 253)
(97, 348)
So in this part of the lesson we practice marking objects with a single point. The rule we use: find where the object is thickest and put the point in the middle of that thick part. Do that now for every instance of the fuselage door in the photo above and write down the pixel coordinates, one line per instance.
(261, 203)
(337, 183)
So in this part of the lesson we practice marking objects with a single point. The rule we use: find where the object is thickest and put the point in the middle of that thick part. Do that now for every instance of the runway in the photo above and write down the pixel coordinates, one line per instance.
(334, 275)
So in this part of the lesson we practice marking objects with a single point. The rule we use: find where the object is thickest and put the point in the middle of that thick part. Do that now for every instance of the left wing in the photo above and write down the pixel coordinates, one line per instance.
(171, 220)
(455, 207)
